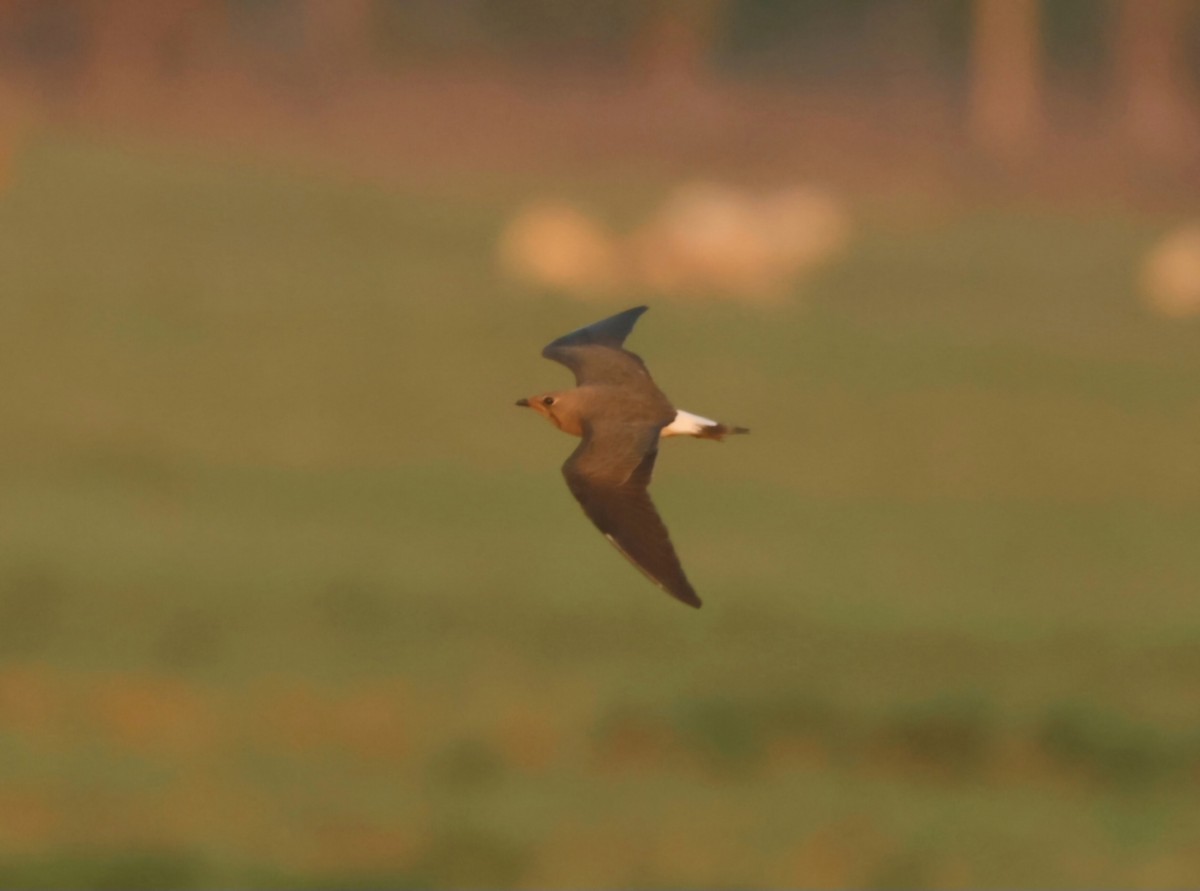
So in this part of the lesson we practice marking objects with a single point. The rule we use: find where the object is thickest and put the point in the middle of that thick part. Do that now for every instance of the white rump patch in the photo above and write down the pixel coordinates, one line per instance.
(688, 424)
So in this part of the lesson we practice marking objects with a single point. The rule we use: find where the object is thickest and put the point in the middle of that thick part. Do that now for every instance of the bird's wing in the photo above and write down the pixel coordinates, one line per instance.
(595, 355)
(608, 474)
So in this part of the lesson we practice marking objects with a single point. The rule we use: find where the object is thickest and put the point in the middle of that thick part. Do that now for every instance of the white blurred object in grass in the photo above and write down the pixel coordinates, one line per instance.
(806, 227)
(705, 240)
(557, 246)
(715, 240)
(1170, 279)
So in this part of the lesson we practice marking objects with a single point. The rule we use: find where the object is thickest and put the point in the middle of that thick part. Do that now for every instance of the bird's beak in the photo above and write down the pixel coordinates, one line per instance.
(524, 403)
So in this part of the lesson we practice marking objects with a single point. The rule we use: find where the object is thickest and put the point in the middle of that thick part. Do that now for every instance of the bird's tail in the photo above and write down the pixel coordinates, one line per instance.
(688, 424)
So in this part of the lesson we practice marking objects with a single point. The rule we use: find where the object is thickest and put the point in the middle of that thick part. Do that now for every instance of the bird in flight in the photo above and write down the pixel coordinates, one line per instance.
(621, 415)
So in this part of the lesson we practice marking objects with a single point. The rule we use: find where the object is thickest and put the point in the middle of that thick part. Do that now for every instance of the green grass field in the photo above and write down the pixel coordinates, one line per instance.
(290, 593)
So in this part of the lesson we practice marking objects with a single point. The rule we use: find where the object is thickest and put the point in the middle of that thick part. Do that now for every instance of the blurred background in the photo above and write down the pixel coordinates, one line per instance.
(292, 595)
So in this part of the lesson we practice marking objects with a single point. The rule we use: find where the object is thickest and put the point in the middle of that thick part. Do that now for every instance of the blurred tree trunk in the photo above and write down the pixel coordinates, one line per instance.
(12, 102)
(902, 38)
(676, 42)
(1006, 111)
(136, 47)
(338, 34)
(122, 64)
(1157, 111)
(10, 21)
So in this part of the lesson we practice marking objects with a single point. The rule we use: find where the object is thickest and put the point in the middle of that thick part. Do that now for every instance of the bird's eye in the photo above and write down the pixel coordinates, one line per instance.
(548, 400)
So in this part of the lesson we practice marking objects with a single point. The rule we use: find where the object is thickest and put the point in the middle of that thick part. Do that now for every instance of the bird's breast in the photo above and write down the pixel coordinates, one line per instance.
(568, 425)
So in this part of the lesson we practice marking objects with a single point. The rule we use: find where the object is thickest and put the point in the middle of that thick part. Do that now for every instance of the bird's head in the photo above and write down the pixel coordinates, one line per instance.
(558, 408)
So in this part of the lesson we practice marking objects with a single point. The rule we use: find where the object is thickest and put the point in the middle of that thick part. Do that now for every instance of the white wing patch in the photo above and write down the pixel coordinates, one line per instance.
(688, 424)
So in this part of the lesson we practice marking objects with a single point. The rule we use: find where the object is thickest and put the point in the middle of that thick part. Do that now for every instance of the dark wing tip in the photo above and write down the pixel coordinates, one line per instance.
(673, 581)
(609, 332)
